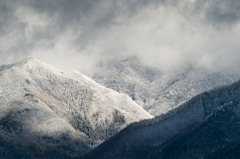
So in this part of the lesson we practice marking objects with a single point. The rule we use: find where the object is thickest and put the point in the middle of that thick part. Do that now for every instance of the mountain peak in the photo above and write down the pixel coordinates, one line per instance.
(159, 92)
(25, 63)
(132, 59)
(29, 60)
(34, 63)
(59, 109)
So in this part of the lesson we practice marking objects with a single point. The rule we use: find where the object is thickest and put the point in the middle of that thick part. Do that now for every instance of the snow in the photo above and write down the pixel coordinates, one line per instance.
(45, 111)
(159, 92)
(49, 109)
(217, 109)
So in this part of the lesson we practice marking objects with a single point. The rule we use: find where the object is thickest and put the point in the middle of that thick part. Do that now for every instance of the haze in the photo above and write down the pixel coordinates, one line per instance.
(83, 34)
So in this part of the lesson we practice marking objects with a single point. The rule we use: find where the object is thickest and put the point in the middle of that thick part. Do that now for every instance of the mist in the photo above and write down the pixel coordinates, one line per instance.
(82, 34)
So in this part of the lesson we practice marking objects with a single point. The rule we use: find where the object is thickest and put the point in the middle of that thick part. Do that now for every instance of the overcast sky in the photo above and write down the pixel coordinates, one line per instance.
(83, 33)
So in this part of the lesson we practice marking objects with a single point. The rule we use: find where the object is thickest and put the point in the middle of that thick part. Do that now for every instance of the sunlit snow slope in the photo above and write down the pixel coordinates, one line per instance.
(48, 112)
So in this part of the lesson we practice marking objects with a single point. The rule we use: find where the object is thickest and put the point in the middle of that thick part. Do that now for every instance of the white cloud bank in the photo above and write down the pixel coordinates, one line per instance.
(80, 34)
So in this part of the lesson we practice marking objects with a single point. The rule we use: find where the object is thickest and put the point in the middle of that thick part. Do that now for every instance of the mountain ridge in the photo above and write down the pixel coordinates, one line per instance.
(134, 143)
(160, 92)
(35, 95)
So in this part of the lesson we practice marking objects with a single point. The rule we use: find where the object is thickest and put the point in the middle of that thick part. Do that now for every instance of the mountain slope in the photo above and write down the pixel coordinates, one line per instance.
(159, 92)
(131, 77)
(216, 137)
(45, 111)
(213, 108)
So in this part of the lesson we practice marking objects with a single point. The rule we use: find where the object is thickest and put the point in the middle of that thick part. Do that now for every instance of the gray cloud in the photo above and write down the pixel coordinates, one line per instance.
(83, 33)
(223, 12)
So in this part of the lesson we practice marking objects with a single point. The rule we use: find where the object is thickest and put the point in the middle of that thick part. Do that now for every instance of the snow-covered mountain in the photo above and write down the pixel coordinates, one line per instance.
(204, 127)
(159, 92)
(48, 112)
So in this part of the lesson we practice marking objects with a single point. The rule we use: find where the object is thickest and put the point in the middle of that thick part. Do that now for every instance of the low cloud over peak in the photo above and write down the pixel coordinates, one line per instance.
(83, 33)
